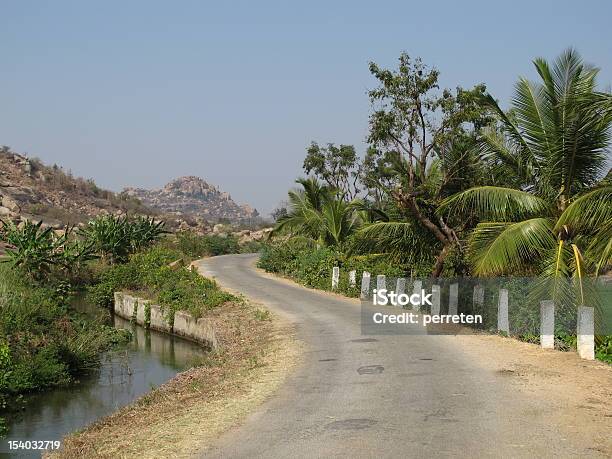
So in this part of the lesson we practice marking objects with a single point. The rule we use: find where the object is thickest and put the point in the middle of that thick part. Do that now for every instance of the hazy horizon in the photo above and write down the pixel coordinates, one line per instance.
(139, 93)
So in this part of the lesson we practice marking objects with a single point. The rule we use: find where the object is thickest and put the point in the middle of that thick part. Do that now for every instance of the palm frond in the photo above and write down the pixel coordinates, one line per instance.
(495, 204)
(589, 212)
(497, 248)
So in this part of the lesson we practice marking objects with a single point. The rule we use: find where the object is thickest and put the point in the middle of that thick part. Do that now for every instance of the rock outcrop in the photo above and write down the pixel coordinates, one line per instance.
(34, 191)
(193, 196)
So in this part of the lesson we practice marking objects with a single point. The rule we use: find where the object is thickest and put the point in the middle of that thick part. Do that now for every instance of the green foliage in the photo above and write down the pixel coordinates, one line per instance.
(43, 345)
(31, 247)
(280, 257)
(603, 351)
(551, 150)
(317, 213)
(423, 149)
(313, 267)
(115, 238)
(262, 315)
(337, 166)
(251, 247)
(402, 242)
(213, 245)
(5, 364)
(37, 250)
(210, 245)
(172, 287)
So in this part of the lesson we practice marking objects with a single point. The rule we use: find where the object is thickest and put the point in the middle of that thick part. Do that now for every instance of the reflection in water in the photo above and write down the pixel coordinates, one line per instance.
(149, 360)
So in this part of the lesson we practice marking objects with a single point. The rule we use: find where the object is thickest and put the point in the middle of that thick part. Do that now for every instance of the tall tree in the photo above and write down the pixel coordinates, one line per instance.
(554, 214)
(425, 137)
(337, 166)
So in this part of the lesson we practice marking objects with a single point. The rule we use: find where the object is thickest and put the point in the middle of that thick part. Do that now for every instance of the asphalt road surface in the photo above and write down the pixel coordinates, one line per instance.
(379, 396)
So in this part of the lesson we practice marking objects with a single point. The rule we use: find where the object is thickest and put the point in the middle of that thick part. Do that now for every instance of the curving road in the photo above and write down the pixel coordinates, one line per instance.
(379, 396)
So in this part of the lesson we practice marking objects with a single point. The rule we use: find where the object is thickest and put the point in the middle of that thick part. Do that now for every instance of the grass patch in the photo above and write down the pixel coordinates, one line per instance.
(159, 275)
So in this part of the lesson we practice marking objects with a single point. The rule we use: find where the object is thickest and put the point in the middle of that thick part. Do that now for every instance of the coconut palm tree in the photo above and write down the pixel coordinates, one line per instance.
(315, 212)
(552, 213)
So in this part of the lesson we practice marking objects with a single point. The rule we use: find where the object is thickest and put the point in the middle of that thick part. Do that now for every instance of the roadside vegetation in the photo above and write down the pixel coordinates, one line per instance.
(211, 245)
(44, 342)
(159, 274)
(452, 186)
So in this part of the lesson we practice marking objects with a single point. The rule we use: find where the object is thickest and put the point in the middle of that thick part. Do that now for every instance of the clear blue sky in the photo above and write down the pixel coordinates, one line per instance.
(139, 92)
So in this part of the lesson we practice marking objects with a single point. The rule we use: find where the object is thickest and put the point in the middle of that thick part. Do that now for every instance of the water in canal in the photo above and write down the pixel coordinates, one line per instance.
(149, 360)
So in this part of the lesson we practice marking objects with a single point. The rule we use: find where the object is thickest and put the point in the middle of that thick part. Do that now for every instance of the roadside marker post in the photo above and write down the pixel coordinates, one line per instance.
(435, 300)
(547, 324)
(417, 286)
(335, 277)
(400, 286)
(503, 323)
(353, 278)
(586, 332)
(478, 298)
(365, 285)
(453, 299)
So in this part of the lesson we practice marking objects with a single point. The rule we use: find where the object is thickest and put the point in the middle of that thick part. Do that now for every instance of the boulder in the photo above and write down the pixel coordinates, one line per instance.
(10, 204)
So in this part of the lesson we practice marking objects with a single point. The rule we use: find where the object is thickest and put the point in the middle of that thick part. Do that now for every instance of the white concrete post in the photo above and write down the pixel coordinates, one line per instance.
(417, 287)
(381, 282)
(478, 298)
(353, 278)
(586, 332)
(365, 285)
(503, 323)
(335, 277)
(400, 286)
(435, 300)
(453, 299)
(547, 324)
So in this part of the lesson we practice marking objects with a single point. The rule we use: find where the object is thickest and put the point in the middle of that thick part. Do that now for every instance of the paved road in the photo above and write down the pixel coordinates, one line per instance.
(382, 396)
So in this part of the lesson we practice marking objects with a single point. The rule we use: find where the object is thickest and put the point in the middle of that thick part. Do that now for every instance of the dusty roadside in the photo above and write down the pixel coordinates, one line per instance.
(184, 415)
(576, 393)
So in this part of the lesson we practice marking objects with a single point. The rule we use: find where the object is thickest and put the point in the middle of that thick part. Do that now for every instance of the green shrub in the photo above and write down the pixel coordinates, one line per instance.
(43, 344)
(313, 266)
(281, 257)
(191, 244)
(172, 287)
(603, 351)
(218, 245)
(251, 247)
(115, 238)
(210, 245)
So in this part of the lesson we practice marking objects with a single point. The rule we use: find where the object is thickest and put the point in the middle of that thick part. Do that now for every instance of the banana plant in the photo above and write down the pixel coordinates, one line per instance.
(31, 247)
(114, 238)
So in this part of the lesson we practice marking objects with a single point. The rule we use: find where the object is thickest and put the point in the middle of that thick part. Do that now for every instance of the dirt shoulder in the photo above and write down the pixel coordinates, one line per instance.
(185, 415)
(577, 393)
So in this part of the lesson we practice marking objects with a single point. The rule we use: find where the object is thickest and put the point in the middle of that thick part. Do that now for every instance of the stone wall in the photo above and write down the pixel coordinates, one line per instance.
(151, 316)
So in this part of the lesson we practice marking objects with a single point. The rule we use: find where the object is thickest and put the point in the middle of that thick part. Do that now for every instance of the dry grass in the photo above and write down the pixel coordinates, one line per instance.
(186, 414)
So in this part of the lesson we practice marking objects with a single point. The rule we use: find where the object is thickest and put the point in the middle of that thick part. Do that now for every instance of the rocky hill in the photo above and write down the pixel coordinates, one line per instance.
(30, 189)
(194, 197)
